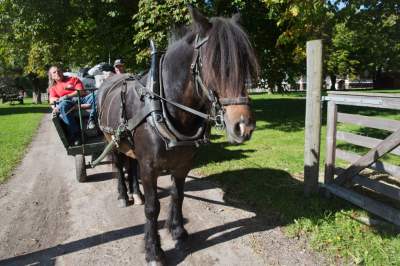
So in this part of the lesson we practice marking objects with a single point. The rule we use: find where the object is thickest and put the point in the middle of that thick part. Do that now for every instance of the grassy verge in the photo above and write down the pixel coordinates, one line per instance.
(266, 175)
(18, 123)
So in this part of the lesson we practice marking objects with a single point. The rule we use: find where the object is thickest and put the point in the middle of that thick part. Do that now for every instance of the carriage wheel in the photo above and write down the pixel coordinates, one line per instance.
(80, 167)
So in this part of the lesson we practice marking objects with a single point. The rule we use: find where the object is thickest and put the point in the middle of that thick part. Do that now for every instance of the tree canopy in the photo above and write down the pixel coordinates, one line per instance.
(361, 36)
(71, 32)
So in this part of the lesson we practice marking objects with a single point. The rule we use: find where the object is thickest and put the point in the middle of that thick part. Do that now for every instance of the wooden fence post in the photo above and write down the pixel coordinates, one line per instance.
(331, 123)
(313, 116)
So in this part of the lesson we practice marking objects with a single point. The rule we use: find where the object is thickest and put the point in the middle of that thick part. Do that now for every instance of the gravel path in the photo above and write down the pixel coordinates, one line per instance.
(48, 218)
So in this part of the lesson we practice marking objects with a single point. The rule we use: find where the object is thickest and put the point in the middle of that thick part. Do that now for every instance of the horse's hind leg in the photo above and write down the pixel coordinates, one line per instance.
(123, 199)
(134, 182)
(130, 176)
(154, 254)
(175, 219)
(131, 166)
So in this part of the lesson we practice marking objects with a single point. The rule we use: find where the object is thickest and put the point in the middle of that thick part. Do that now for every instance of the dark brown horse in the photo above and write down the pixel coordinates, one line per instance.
(221, 52)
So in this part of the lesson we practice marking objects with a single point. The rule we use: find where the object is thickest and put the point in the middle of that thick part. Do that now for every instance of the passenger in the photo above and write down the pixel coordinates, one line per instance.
(62, 94)
(101, 72)
(119, 66)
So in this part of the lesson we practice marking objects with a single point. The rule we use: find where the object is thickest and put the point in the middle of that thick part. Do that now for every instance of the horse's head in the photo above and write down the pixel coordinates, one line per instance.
(228, 66)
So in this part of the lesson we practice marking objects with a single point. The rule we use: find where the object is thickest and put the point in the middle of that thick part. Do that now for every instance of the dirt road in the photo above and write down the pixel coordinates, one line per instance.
(48, 218)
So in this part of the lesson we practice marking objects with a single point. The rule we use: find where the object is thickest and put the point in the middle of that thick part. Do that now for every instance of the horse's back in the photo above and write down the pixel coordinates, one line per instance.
(109, 100)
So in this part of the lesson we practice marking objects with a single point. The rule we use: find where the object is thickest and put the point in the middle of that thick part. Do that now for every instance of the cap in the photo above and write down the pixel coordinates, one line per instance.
(119, 62)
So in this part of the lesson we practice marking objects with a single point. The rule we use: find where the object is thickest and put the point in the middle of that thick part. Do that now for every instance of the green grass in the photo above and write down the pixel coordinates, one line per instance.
(265, 174)
(18, 124)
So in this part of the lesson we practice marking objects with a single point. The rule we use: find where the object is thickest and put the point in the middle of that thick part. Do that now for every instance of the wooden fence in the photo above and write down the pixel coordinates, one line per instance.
(341, 181)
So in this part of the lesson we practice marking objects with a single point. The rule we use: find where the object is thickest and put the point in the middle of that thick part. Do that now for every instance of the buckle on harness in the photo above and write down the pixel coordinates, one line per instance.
(115, 140)
(219, 121)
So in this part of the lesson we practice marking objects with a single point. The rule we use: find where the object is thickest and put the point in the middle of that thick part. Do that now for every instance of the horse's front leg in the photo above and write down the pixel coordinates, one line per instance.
(154, 254)
(175, 218)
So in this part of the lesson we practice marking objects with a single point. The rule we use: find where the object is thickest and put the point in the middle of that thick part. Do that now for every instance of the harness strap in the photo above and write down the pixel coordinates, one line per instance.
(201, 42)
(193, 67)
(183, 107)
(149, 107)
(123, 102)
(201, 131)
(139, 116)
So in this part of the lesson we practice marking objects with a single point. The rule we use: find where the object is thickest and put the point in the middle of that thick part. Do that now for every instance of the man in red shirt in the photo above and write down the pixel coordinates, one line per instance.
(62, 91)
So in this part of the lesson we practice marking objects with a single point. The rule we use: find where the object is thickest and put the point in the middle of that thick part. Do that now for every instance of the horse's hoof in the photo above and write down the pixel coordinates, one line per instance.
(122, 203)
(137, 199)
(159, 260)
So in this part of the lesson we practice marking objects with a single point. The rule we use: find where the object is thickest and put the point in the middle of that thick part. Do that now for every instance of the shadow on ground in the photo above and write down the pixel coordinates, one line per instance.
(273, 195)
(99, 177)
(285, 114)
(23, 109)
(49, 256)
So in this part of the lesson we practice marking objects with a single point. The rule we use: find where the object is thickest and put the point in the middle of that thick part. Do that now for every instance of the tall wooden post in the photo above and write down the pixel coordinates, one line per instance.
(330, 142)
(313, 116)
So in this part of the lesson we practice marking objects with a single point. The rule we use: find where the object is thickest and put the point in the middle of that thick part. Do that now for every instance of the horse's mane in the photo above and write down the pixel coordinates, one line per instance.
(229, 63)
(229, 59)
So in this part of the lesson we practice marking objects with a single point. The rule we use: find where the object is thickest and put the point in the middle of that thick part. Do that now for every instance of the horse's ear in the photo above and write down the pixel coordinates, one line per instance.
(236, 18)
(201, 23)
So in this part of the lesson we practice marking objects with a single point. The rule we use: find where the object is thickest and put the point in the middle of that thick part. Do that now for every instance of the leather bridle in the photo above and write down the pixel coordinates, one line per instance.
(217, 103)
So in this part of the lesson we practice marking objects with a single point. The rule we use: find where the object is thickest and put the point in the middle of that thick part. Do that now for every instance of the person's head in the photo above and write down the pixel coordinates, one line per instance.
(119, 66)
(55, 75)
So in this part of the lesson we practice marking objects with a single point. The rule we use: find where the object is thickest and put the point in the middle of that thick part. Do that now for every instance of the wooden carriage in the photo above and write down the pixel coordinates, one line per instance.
(92, 141)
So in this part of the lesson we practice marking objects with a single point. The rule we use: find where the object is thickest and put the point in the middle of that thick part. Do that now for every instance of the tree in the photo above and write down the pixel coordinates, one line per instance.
(298, 22)
(359, 36)
(155, 20)
(72, 32)
(375, 26)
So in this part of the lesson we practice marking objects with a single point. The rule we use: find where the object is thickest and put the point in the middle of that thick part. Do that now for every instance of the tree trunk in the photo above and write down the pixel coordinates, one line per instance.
(333, 81)
(36, 95)
(279, 88)
(270, 88)
(301, 85)
(377, 78)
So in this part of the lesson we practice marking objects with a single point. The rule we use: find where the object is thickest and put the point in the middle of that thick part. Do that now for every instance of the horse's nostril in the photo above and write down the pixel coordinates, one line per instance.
(243, 130)
(239, 129)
